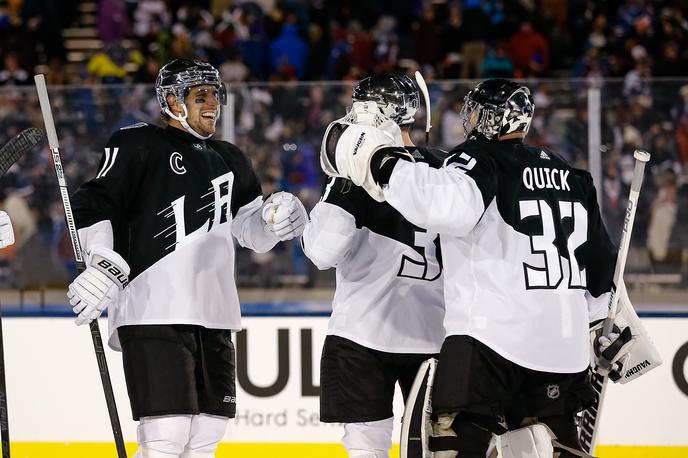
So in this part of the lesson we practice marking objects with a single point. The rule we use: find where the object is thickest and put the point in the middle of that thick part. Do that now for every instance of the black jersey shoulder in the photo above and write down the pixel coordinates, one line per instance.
(433, 156)
(378, 217)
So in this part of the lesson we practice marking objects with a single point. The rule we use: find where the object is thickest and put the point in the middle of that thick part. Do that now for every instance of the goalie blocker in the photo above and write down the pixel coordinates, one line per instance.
(632, 353)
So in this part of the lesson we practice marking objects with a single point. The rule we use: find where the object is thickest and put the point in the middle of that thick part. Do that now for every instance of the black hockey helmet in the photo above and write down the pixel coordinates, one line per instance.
(397, 95)
(179, 75)
(497, 107)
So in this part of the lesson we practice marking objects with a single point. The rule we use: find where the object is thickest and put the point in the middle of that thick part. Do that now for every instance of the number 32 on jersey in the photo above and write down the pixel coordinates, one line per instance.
(551, 274)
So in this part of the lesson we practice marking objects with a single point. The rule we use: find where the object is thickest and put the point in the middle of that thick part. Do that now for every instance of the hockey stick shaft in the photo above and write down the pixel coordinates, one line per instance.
(81, 266)
(10, 152)
(591, 418)
(4, 420)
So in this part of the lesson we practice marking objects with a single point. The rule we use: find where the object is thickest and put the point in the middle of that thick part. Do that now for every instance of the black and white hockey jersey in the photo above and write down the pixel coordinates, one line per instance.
(524, 248)
(174, 202)
(389, 271)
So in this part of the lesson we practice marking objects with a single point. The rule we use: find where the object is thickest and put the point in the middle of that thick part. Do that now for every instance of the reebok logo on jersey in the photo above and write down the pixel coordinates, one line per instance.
(546, 178)
(358, 143)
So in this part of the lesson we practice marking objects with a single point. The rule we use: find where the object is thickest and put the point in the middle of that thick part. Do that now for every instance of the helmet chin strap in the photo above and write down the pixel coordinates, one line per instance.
(185, 125)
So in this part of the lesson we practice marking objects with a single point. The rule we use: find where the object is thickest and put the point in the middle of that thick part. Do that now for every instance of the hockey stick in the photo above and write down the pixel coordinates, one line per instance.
(426, 96)
(9, 154)
(80, 264)
(590, 417)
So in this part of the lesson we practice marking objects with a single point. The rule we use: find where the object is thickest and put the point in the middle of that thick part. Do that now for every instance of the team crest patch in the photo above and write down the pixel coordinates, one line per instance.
(553, 391)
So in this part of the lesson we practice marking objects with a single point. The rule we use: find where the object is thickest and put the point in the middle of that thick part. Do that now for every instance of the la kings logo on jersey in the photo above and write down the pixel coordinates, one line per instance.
(219, 208)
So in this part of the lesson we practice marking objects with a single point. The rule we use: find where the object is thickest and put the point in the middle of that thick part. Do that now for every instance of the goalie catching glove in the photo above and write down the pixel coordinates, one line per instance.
(98, 286)
(359, 145)
(627, 351)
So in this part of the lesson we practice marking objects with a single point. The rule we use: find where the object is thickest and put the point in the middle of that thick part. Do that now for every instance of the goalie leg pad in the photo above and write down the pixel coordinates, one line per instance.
(416, 426)
(444, 441)
(534, 441)
(371, 439)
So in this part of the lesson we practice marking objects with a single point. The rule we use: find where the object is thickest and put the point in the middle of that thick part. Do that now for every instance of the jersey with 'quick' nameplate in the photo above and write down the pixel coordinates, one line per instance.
(389, 271)
(524, 248)
(174, 202)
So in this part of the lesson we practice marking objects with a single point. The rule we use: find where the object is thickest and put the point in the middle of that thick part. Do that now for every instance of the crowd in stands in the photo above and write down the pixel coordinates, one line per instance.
(277, 54)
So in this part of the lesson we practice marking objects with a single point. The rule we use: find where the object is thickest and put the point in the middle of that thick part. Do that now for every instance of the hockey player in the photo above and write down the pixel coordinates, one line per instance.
(528, 265)
(6, 231)
(387, 309)
(156, 225)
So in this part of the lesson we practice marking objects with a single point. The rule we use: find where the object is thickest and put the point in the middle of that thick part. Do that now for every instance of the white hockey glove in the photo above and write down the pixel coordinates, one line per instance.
(627, 352)
(6, 232)
(350, 143)
(98, 286)
(284, 215)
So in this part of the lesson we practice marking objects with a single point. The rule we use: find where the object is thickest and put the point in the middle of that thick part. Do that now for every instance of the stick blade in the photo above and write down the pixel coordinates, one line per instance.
(17, 146)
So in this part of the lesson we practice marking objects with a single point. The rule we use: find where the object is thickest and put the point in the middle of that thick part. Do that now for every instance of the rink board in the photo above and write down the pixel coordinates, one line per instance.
(56, 405)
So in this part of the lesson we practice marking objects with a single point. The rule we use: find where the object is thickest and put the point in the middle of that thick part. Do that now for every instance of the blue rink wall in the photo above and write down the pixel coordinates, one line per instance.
(56, 405)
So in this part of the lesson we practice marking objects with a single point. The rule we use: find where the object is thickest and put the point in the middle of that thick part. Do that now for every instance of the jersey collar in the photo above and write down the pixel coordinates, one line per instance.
(183, 135)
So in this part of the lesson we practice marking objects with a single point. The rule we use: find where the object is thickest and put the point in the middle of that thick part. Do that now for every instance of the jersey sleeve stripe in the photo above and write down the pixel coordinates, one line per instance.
(112, 162)
(105, 163)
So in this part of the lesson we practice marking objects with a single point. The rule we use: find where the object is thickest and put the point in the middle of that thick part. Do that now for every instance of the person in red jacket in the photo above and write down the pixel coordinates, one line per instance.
(529, 51)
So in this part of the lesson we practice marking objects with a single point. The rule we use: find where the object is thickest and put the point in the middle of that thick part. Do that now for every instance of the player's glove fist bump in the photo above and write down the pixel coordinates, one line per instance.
(284, 215)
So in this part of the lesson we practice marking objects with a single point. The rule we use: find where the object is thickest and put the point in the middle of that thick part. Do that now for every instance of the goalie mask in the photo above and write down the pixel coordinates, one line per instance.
(177, 77)
(497, 107)
(397, 96)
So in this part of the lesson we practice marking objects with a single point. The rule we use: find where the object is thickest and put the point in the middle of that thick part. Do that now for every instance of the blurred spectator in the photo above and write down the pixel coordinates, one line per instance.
(427, 37)
(680, 117)
(233, 69)
(452, 126)
(56, 74)
(113, 21)
(289, 50)
(529, 51)
(662, 216)
(12, 74)
(475, 31)
(670, 62)
(497, 64)
(637, 81)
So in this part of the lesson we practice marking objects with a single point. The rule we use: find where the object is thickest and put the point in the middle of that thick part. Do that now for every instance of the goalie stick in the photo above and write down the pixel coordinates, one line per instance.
(80, 265)
(589, 420)
(9, 154)
(428, 111)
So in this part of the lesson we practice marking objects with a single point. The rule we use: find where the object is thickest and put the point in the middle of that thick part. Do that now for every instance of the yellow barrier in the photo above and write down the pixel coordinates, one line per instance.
(234, 450)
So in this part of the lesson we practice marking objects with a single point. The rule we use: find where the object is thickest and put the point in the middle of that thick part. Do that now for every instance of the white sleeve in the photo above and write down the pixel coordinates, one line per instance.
(248, 228)
(96, 235)
(446, 200)
(598, 307)
(327, 237)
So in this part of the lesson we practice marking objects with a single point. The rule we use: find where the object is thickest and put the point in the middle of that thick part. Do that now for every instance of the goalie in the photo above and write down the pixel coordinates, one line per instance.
(388, 307)
(528, 267)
